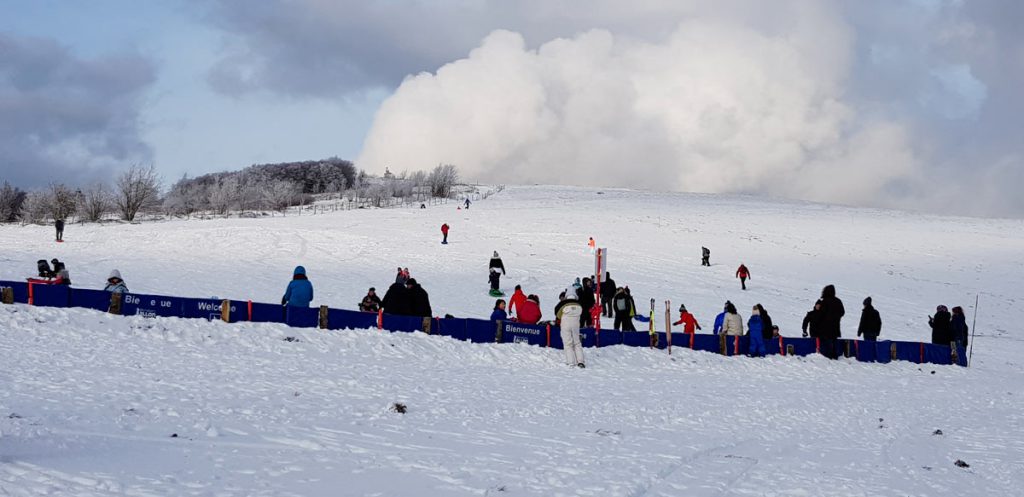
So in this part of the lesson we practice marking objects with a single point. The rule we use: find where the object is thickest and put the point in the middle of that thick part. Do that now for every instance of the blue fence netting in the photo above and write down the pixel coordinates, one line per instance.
(466, 329)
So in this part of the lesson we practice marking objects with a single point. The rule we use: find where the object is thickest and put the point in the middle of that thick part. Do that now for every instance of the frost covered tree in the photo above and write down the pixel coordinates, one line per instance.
(278, 195)
(442, 179)
(186, 197)
(223, 195)
(63, 201)
(136, 189)
(94, 202)
(36, 207)
(12, 201)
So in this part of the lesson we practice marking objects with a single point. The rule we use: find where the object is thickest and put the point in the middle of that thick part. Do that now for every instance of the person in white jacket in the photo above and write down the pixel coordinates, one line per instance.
(733, 324)
(568, 312)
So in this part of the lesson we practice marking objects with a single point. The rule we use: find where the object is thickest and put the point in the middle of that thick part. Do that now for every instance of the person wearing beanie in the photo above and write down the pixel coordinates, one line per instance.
(494, 266)
(941, 323)
(371, 302)
(743, 274)
(300, 291)
(870, 322)
(689, 321)
(622, 304)
(115, 284)
(515, 303)
(720, 319)
(529, 311)
(829, 322)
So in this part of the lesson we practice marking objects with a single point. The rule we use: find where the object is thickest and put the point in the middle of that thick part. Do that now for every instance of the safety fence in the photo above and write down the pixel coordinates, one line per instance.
(473, 330)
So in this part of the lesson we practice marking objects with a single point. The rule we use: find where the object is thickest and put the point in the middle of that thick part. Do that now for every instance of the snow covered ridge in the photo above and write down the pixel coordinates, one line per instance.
(474, 330)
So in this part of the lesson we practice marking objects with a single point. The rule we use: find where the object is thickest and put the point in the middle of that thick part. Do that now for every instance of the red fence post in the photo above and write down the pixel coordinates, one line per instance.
(250, 310)
(380, 319)
(549, 335)
(782, 350)
(31, 300)
(736, 345)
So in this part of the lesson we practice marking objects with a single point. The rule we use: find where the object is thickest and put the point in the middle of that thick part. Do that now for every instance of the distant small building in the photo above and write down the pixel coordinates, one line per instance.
(387, 174)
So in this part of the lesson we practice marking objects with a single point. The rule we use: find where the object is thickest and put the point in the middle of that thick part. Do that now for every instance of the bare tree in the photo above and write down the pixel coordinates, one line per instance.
(63, 201)
(12, 201)
(37, 206)
(94, 202)
(442, 179)
(223, 195)
(137, 188)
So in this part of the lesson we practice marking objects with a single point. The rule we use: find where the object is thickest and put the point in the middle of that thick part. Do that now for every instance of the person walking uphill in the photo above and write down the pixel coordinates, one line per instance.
(444, 233)
(870, 322)
(58, 224)
(608, 290)
(300, 291)
(828, 325)
(567, 317)
(705, 257)
(743, 274)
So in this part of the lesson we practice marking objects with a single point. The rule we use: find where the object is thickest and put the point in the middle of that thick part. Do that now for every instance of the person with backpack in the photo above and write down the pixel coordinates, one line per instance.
(755, 329)
(621, 302)
(689, 322)
(300, 291)
(444, 233)
(705, 257)
(942, 331)
(743, 274)
(958, 323)
(371, 302)
(114, 283)
(608, 292)
(870, 322)
(568, 314)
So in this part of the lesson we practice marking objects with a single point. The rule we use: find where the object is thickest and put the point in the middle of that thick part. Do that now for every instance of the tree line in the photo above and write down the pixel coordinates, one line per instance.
(259, 187)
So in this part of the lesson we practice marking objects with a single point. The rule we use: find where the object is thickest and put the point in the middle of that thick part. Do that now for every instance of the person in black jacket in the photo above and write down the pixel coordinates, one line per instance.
(371, 302)
(494, 266)
(959, 326)
(59, 225)
(942, 330)
(767, 326)
(705, 257)
(832, 312)
(810, 326)
(586, 299)
(418, 299)
(608, 291)
(396, 300)
(870, 322)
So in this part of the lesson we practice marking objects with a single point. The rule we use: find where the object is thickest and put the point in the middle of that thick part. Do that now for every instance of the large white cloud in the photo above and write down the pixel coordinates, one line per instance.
(714, 106)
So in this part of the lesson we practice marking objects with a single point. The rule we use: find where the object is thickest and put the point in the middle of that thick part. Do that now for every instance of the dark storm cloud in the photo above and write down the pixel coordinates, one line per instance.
(64, 118)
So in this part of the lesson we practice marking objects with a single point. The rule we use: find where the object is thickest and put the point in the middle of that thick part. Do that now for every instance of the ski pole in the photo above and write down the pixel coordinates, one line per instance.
(974, 329)
(668, 325)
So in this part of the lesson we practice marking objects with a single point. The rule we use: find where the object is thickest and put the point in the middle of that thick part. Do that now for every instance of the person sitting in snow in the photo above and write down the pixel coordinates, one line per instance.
(371, 302)
(499, 314)
(300, 291)
(114, 283)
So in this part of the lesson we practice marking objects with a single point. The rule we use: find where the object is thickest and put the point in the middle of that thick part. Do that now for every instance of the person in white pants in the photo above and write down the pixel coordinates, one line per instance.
(568, 312)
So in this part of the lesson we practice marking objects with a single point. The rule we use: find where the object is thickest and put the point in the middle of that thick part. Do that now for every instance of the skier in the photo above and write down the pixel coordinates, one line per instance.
(371, 302)
(495, 278)
(689, 322)
(529, 312)
(755, 329)
(568, 314)
(59, 225)
(870, 322)
(705, 259)
(623, 305)
(418, 298)
(592, 245)
(396, 300)
(743, 274)
(114, 283)
(940, 323)
(444, 232)
(587, 300)
(499, 314)
(720, 319)
(300, 291)
(959, 326)
(515, 303)
(766, 322)
(832, 312)
(608, 291)
(733, 323)
(810, 325)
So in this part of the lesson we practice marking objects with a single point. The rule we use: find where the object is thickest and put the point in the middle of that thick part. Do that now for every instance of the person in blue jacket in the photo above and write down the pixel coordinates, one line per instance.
(499, 314)
(300, 290)
(720, 319)
(754, 331)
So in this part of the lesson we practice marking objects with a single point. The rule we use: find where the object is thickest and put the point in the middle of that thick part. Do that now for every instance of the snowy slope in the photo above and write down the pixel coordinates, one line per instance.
(89, 401)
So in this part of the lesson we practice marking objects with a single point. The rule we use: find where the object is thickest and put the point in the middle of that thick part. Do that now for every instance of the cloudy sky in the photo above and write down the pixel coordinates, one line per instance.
(903, 103)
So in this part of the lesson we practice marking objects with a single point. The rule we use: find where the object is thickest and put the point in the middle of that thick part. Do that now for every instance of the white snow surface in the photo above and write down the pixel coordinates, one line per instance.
(89, 402)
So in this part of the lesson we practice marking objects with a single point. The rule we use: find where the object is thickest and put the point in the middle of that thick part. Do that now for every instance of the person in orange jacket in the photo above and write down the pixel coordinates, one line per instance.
(687, 320)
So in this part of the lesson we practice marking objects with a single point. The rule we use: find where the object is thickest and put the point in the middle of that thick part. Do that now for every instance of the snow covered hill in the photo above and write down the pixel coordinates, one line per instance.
(90, 403)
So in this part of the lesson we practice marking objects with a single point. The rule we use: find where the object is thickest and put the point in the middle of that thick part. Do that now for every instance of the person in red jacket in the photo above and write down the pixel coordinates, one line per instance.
(687, 320)
(444, 231)
(743, 274)
(516, 301)
(529, 313)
